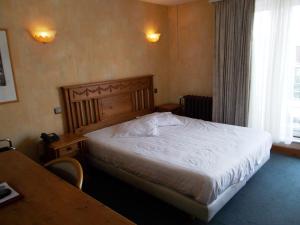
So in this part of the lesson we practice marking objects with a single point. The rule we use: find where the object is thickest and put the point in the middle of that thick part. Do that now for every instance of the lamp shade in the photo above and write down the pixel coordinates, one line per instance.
(44, 36)
(153, 37)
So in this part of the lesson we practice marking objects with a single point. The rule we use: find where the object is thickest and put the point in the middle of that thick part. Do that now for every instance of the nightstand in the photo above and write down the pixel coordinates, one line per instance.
(69, 145)
(170, 107)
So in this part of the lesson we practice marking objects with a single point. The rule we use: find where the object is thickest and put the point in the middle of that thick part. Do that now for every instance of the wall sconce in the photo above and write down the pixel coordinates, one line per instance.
(44, 36)
(153, 37)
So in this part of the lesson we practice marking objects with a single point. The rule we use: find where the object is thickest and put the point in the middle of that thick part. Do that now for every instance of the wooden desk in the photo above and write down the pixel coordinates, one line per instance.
(48, 200)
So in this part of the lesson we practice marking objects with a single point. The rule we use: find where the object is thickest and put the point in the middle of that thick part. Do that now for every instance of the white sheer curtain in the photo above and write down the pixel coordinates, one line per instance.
(276, 30)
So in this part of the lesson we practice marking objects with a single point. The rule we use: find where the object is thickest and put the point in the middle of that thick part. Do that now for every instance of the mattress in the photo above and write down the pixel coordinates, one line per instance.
(199, 159)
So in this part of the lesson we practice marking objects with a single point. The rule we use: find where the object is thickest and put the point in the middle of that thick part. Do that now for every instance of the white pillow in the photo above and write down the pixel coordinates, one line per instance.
(142, 127)
(164, 119)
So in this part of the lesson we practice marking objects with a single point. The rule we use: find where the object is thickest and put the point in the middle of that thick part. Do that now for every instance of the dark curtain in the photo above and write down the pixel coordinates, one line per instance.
(233, 25)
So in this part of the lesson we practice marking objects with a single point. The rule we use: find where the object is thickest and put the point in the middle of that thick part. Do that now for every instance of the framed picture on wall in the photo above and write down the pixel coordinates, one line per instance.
(7, 83)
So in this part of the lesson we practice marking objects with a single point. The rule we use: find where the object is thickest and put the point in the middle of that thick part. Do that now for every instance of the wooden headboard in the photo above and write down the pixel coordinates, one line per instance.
(96, 105)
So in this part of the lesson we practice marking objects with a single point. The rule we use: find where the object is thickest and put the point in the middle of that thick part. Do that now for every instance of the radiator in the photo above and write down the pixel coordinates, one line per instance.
(198, 107)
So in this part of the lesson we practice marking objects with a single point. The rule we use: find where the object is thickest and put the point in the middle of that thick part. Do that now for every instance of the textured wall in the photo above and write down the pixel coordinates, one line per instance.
(100, 40)
(191, 49)
(96, 40)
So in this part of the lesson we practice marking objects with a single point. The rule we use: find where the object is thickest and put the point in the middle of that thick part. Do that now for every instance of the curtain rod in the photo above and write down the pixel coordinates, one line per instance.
(212, 1)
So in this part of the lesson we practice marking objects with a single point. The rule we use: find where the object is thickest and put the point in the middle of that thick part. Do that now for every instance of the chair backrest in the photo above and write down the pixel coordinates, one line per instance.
(68, 169)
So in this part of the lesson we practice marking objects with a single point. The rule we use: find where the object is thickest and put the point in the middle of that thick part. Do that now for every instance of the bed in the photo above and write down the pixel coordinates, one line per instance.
(197, 167)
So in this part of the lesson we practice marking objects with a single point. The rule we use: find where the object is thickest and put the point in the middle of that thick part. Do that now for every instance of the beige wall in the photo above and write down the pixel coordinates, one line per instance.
(99, 40)
(96, 40)
(191, 49)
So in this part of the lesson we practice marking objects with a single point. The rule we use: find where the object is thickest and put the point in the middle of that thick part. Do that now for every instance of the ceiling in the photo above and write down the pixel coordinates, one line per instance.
(168, 2)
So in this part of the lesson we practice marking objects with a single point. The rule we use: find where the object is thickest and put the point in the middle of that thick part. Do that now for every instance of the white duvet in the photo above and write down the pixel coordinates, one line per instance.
(198, 159)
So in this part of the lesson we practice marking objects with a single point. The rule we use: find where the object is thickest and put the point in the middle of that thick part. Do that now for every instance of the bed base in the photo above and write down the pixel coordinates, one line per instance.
(180, 201)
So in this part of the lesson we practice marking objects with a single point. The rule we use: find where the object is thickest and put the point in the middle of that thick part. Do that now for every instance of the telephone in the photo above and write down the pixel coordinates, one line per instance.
(49, 138)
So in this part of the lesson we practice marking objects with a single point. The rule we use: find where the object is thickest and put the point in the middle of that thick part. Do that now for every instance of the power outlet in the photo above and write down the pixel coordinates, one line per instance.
(57, 110)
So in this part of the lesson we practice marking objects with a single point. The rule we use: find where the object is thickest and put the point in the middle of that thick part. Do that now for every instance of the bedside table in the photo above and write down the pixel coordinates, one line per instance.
(170, 107)
(69, 145)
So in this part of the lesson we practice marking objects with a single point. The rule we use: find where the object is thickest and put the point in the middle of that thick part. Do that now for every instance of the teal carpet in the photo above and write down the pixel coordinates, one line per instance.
(271, 197)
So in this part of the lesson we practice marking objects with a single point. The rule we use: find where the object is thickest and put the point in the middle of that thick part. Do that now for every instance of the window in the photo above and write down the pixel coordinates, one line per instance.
(275, 77)
(298, 55)
(296, 101)
(297, 83)
(297, 74)
(296, 119)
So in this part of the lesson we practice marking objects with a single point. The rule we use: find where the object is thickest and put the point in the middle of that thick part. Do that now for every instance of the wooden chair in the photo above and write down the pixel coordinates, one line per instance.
(68, 169)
